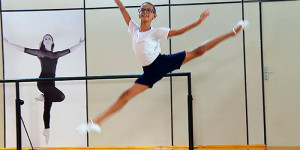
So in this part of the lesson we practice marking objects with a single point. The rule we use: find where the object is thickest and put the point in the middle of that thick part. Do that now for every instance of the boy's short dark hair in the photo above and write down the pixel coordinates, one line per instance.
(154, 9)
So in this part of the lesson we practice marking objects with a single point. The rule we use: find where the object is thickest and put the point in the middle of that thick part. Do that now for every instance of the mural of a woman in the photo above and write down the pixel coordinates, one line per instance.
(48, 60)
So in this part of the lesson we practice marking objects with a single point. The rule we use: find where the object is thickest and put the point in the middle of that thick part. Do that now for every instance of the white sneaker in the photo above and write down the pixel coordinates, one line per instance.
(243, 23)
(40, 98)
(90, 127)
(46, 133)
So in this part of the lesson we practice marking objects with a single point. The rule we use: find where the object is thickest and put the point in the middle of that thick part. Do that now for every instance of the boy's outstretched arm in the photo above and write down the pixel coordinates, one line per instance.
(124, 12)
(203, 16)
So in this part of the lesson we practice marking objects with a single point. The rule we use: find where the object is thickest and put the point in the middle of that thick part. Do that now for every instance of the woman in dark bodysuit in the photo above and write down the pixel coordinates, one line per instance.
(48, 60)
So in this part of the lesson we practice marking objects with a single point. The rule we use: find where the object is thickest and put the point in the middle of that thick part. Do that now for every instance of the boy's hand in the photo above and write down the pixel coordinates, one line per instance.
(203, 16)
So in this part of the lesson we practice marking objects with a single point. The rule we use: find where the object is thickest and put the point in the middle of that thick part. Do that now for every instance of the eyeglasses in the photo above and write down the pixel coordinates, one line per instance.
(146, 10)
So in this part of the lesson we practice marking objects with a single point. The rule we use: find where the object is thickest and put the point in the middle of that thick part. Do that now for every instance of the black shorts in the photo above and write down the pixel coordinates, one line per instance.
(162, 65)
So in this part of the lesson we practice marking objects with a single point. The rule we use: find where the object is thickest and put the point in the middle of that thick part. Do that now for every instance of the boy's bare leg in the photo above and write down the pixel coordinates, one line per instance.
(134, 90)
(208, 45)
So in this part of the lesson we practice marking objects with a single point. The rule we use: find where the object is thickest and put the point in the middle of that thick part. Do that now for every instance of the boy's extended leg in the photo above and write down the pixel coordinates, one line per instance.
(209, 44)
(122, 100)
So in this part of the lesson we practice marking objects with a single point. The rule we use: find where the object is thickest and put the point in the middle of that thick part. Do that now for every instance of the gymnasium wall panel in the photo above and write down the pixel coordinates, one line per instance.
(280, 29)
(254, 74)
(145, 120)
(217, 76)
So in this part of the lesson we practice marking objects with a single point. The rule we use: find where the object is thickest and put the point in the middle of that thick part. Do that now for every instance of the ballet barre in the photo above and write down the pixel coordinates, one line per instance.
(19, 102)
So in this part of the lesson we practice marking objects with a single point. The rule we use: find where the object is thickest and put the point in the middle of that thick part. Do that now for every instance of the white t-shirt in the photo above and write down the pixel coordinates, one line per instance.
(146, 44)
